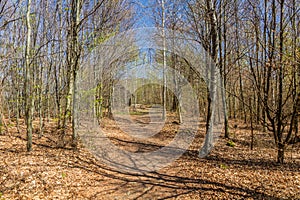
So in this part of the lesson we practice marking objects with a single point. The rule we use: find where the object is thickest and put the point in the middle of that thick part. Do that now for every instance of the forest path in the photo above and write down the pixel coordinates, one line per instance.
(50, 172)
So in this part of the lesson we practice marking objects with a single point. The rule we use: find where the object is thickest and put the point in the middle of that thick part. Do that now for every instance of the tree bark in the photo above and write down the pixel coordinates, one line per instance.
(208, 144)
(222, 65)
(73, 62)
(28, 81)
(164, 95)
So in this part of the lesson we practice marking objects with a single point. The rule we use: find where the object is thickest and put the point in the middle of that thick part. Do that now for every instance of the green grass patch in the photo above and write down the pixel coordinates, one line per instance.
(63, 175)
(223, 166)
(230, 143)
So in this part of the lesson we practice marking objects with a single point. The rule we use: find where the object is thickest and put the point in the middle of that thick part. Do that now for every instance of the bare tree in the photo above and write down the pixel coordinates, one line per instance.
(28, 79)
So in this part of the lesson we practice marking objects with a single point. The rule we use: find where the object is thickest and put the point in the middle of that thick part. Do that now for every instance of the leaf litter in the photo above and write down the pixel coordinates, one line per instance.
(54, 172)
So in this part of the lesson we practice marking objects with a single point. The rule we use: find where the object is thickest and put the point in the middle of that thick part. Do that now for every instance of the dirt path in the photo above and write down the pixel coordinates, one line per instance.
(50, 172)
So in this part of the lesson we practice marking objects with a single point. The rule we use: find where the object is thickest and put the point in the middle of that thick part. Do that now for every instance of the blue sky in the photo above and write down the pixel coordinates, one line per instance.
(144, 14)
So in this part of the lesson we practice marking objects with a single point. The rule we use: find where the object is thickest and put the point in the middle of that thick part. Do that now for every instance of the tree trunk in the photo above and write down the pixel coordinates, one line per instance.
(28, 81)
(164, 95)
(73, 62)
(297, 71)
(279, 113)
(222, 70)
(208, 144)
(280, 153)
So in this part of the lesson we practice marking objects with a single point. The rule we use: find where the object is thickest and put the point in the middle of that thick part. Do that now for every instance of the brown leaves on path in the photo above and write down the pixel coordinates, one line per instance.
(51, 172)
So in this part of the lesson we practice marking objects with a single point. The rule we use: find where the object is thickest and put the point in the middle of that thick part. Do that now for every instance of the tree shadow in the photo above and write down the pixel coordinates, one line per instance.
(174, 186)
(163, 185)
(192, 155)
(255, 163)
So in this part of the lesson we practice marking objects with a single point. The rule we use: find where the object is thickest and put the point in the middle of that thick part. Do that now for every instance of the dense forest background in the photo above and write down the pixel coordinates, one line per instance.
(255, 45)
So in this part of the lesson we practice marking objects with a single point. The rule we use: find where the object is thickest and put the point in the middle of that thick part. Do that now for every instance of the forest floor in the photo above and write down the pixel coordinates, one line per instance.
(53, 172)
